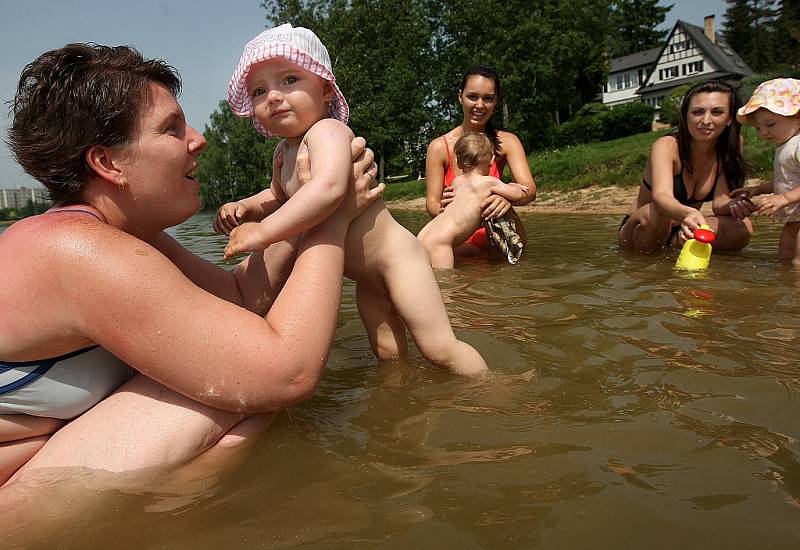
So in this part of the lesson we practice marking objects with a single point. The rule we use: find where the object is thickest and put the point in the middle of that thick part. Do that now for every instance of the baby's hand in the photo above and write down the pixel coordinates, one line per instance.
(247, 237)
(228, 217)
(771, 204)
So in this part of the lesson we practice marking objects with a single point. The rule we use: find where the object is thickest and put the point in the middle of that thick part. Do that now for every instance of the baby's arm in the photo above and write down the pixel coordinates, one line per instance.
(773, 203)
(256, 207)
(328, 143)
(512, 192)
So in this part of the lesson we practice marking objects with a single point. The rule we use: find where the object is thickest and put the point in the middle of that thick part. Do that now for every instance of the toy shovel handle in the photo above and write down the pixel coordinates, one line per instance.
(704, 235)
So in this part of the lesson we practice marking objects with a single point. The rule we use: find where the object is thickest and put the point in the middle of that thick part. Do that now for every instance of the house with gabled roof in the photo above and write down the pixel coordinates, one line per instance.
(690, 53)
(626, 74)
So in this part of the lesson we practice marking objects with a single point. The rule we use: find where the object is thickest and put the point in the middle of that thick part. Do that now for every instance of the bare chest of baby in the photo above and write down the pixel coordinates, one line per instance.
(375, 240)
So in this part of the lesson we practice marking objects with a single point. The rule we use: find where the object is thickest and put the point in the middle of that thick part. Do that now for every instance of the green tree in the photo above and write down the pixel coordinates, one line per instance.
(786, 38)
(636, 26)
(750, 29)
(551, 60)
(237, 161)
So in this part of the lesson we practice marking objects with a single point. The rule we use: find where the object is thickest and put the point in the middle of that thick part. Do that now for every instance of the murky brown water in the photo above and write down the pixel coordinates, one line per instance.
(629, 407)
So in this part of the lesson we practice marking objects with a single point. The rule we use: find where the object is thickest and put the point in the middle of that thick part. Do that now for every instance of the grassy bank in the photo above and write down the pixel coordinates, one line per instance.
(617, 162)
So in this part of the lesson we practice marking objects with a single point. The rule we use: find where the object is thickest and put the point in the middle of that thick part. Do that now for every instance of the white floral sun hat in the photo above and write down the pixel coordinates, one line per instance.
(299, 46)
(780, 95)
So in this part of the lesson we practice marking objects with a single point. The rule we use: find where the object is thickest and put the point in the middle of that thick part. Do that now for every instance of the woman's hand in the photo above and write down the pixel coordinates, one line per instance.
(447, 197)
(693, 220)
(362, 190)
(740, 205)
(494, 206)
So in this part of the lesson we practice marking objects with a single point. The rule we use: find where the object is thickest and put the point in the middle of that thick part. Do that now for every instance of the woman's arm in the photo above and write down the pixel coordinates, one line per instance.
(145, 311)
(435, 161)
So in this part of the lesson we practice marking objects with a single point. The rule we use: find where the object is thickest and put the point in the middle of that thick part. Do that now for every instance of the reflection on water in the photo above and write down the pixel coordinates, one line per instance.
(629, 406)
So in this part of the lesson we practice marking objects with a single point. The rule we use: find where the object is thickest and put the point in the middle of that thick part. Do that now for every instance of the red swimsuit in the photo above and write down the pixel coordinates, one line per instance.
(477, 239)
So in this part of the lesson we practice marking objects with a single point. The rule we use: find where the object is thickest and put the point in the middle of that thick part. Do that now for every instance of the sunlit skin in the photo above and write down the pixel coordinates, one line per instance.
(774, 128)
(478, 101)
(708, 116)
(159, 163)
(657, 210)
(287, 99)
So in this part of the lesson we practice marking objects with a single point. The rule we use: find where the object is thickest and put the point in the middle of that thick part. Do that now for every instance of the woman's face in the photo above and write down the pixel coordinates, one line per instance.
(157, 166)
(478, 100)
(708, 115)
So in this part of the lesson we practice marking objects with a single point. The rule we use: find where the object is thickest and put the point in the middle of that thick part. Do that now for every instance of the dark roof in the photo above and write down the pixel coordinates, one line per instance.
(647, 57)
(669, 84)
(720, 54)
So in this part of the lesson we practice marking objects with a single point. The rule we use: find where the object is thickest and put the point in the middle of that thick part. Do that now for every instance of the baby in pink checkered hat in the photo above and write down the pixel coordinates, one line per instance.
(285, 82)
(774, 111)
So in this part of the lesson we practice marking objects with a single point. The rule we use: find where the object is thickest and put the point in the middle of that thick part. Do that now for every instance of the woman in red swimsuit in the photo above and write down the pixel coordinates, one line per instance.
(479, 94)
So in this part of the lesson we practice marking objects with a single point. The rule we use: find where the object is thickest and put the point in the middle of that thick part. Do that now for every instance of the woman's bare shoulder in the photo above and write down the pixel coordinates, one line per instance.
(666, 143)
(437, 145)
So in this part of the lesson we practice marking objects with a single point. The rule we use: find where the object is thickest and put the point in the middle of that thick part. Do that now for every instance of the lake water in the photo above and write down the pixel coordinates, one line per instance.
(629, 407)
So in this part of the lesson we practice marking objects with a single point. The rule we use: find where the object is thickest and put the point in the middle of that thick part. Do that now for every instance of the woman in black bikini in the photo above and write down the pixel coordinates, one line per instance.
(701, 162)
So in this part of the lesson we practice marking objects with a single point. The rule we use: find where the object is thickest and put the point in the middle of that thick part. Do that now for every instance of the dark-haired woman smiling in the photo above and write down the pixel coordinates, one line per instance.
(700, 163)
(478, 95)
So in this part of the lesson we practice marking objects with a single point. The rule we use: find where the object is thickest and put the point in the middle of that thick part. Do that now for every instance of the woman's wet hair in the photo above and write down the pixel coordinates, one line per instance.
(486, 72)
(472, 149)
(729, 151)
(73, 98)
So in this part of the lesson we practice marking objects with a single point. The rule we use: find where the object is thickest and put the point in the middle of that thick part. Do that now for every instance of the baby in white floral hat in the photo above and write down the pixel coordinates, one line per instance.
(774, 111)
(284, 80)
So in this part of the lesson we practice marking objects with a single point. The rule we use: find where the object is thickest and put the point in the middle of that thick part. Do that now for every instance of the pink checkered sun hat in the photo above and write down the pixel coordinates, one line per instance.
(299, 46)
(781, 96)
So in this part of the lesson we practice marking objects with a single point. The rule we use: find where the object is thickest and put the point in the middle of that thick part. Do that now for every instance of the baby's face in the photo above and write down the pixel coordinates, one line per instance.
(773, 128)
(287, 100)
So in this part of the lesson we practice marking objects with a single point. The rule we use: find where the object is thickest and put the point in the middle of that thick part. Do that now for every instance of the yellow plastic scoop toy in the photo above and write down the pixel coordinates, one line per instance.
(696, 252)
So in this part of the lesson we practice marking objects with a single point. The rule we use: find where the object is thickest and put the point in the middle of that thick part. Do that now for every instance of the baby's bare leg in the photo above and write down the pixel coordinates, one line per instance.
(789, 248)
(439, 238)
(416, 297)
(385, 330)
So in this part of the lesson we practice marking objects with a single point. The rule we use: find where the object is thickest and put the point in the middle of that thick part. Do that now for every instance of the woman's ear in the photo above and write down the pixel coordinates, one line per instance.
(104, 162)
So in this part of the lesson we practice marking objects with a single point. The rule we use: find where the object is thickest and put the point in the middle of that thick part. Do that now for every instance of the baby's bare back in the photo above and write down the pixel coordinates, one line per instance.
(464, 213)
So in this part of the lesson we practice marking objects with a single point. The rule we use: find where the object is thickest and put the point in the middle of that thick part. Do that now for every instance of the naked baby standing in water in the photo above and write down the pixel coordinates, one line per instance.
(474, 153)
(284, 81)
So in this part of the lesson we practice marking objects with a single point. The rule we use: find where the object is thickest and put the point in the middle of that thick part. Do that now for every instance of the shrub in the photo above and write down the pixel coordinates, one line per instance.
(606, 124)
(626, 120)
